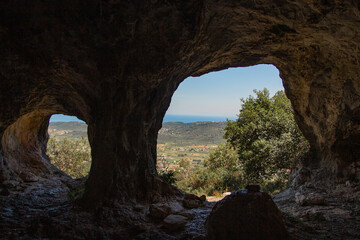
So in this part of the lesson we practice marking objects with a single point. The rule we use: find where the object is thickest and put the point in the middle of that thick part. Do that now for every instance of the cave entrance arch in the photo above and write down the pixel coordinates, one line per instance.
(24, 145)
(186, 138)
(68, 147)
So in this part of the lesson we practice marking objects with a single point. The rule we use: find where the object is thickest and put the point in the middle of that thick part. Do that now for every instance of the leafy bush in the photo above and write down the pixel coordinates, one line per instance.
(220, 173)
(71, 156)
(168, 176)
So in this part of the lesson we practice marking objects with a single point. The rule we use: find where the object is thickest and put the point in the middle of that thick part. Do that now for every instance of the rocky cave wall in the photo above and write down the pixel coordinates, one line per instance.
(116, 64)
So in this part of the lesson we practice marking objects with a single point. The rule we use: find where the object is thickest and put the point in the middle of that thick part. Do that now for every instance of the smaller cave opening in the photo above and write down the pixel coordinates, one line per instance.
(68, 146)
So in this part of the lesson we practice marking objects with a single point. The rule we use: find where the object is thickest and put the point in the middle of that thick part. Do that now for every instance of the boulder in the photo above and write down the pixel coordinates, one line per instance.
(300, 199)
(159, 211)
(188, 215)
(192, 201)
(188, 203)
(253, 188)
(175, 207)
(246, 215)
(203, 198)
(174, 222)
(315, 199)
(310, 199)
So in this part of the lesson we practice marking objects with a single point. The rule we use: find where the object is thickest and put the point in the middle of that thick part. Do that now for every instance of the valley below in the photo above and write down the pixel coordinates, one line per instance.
(190, 142)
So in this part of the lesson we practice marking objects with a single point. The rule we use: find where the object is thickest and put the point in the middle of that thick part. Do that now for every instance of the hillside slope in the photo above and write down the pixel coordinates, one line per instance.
(175, 132)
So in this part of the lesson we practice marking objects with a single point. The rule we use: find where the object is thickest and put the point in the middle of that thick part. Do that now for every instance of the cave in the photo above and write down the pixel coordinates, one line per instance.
(68, 147)
(116, 64)
(193, 126)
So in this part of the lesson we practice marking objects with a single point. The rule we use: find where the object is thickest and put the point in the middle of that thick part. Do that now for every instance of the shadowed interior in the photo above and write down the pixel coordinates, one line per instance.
(117, 64)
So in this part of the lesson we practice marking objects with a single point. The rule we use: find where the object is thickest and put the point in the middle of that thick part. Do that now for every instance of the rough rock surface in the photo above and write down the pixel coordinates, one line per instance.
(246, 215)
(159, 211)
(43, 210)
(192, 201)
(174, 222)
(338, 218)
(116, 64)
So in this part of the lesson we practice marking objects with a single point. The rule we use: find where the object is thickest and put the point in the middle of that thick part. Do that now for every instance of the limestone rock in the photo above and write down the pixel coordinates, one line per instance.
(246, 215)
(186, 214)
(174, 222)
(159, 211)
(300, 199)
(116, 65)
(175, 206)
(192, 201)
(309, 199)
(315, 199)
(92, 65)
(28, 177)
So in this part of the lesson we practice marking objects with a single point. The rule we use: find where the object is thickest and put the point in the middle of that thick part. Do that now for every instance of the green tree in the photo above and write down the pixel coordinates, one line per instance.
(224, 156)
(266, 138)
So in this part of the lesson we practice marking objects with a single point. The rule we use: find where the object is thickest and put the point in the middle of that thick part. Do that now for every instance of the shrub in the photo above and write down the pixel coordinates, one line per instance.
(71, 156)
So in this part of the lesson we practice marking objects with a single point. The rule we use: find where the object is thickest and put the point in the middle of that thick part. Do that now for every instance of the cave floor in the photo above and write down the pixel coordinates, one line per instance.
(42, 209)
(327, 213)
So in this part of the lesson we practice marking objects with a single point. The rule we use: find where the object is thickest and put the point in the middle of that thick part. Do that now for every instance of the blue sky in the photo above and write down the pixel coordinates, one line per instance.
(216, 94)
(219, 93)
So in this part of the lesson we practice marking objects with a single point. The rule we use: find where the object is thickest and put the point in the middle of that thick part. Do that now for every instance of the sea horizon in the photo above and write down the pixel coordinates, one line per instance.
(167, 118)
(193, 118)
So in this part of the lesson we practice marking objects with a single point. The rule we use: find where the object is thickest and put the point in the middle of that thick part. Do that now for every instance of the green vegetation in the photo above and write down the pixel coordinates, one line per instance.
(260, 147)
(70, 155)
(267, 139)
(220, 173)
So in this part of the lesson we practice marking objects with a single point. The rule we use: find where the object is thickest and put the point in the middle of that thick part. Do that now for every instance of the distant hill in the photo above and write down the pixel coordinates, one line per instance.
(175, 132)
(68, 129)
(195, 133)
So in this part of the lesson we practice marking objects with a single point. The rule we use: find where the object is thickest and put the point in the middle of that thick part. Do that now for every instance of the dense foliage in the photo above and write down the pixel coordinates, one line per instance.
(70, 155)
(267, 139)
(262, 146)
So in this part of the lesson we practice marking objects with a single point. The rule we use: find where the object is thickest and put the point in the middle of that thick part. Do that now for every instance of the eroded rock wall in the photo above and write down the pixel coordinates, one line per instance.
(116, 64)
